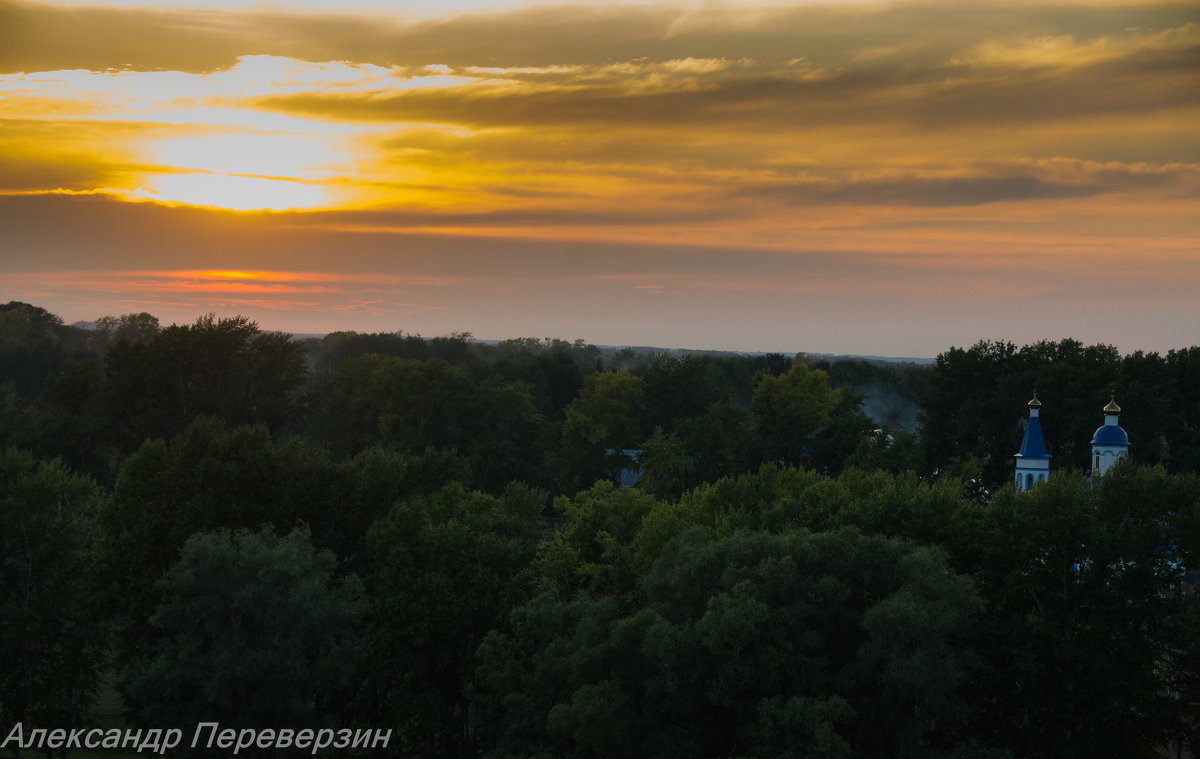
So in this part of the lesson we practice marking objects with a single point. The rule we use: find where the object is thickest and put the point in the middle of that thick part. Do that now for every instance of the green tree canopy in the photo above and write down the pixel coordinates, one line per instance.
(251, 630)
(33, 344)
(750, 645)
(415, 406)
(603, 421)
(130, 327)
(51, 628)
(226, 368)
(790, 409)
(442, 570)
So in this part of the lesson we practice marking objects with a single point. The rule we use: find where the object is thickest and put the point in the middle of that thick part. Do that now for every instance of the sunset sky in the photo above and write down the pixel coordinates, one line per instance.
(843, 177)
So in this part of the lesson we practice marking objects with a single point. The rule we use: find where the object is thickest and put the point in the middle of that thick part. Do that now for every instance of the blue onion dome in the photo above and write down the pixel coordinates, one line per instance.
(1110, 434)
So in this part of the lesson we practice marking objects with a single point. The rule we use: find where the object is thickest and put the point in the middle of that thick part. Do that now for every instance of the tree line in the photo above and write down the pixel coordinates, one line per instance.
(548, 412)
(216, 523)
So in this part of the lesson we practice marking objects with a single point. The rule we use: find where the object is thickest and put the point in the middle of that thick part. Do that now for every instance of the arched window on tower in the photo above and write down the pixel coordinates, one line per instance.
(1028, 481)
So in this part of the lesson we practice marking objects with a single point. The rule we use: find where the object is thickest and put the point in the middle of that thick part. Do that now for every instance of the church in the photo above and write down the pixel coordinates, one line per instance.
(1109, 444)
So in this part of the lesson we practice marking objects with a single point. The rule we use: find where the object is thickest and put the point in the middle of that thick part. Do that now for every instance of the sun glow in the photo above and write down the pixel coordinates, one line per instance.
(268, 155)
(192, 138)
(245, 172)
(237, 193)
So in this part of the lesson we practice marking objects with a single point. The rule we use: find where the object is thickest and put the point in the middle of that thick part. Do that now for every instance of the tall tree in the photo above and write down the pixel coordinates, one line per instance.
(209, 477)
(415, 406)
(226, 368)
(129, 327)
(251, 630)
(548, 367)
(1182, 425)
(790, 409)
(678, 388)
(442, 570)
(33, 344)
(606, 419)
(51, 629)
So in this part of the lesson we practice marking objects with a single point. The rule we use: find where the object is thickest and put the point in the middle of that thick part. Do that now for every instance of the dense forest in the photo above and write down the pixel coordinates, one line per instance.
(816, 558)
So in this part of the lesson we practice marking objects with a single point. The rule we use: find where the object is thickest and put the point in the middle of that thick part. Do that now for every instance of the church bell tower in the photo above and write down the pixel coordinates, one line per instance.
(1033, 462)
